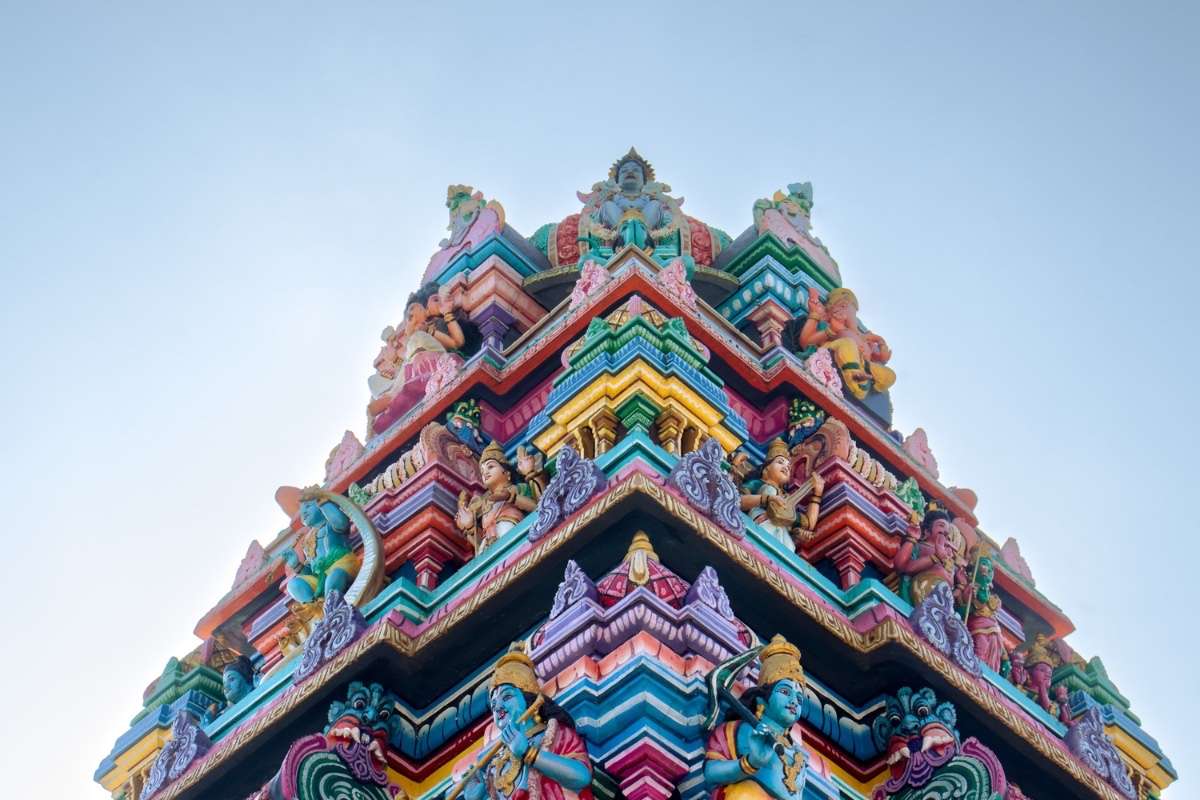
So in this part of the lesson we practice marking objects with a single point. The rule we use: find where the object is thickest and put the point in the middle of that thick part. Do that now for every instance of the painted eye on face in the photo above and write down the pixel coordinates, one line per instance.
(895, 719)
(384, 714)
(922, 711)
(360, 704)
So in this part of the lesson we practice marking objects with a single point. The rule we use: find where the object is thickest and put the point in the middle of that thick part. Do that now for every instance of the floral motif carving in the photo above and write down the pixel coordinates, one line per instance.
(707, 487)
(577, 480)
(341, 625)
(188, 742)
(1092, 745)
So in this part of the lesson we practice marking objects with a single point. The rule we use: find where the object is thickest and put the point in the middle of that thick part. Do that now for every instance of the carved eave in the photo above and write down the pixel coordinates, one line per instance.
(511, 597)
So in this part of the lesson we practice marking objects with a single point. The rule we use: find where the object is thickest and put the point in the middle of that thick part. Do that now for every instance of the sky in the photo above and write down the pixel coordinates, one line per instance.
(209, 211)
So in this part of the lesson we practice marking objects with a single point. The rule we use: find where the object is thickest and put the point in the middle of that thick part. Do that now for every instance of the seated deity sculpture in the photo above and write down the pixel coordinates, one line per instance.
(410, 356)
(766, 760)
(860, 357)
(485, 517)
(330, 563)
(541, 755)
(931, 559)
(631, 204)
(769, 504)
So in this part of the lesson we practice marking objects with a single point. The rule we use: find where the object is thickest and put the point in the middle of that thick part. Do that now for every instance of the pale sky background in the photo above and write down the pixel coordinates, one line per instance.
(207, 214)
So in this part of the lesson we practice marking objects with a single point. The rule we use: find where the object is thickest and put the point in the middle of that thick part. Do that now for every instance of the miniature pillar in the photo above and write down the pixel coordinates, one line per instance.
(770, 318)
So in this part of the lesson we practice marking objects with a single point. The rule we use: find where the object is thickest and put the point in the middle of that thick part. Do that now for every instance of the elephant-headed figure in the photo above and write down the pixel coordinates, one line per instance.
(917, 733)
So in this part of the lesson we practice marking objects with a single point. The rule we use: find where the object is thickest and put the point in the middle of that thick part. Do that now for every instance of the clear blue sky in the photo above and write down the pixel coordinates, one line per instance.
(209, 213)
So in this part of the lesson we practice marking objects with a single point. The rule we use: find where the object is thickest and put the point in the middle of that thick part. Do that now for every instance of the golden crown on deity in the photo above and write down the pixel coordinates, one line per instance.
(313, 492)
(494, 452)
(780, 660)
(840, 294)
(516, 669)
(632, 155)
(777, 448)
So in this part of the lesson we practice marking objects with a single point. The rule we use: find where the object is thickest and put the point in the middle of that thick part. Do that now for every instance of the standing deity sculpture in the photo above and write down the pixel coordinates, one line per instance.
(860, 357)
(330, 563)
(982, 607)
(770, 505)
(539, 755)
(762, 760)
(931, 559)
(485, 517)
(410, 356)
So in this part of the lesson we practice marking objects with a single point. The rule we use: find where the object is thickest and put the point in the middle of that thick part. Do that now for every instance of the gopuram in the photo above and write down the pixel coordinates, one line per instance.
(628, 520)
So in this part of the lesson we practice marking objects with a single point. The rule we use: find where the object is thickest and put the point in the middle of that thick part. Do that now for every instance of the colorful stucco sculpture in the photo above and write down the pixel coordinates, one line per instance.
(662, 460)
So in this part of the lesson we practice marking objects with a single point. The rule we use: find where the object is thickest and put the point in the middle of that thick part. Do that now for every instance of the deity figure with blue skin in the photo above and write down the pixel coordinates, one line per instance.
(542, 756)
(763, 761)
(330, 563)
(629, 208)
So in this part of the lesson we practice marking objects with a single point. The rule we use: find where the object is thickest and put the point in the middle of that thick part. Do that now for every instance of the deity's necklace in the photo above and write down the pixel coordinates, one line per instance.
(792, 768)
(508, 771)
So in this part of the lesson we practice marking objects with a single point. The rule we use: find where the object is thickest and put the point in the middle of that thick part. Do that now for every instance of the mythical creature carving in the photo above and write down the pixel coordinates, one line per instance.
(360, 728)
(188, 742)
(771, 505)
(463, 421)
(349, 759)
(925, 758)
(576, 481)
(702, 481)
(917, 733)
(804, 419)
(484, 518)
(674, 279)
(472, 220)
(860, 357)
(757, 753)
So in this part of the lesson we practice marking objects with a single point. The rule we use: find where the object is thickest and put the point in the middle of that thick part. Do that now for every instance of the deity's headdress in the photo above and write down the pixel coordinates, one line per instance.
(777, 448)
(632, 155)
(494, 452)
(780, 660)
(839, 294)
(516, 669)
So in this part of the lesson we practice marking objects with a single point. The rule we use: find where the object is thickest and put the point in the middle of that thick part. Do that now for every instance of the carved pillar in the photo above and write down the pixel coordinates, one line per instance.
(849, 559)
(669, 428)
(604, 426)
(770, 319)
(637, 413)
(494, 323)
